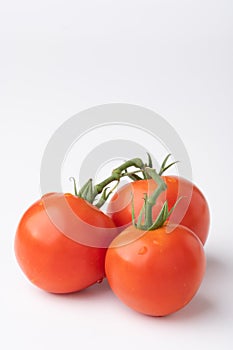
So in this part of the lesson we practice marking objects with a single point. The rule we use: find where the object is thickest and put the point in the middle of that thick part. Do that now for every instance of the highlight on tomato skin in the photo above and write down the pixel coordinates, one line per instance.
(155, 273)
(192, 211)
(51, 260)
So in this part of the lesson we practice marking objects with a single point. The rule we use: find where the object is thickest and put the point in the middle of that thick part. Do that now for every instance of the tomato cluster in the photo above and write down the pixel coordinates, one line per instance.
(151, 252)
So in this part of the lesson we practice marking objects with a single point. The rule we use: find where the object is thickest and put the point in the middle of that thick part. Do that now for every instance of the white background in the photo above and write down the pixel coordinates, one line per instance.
(60, 57)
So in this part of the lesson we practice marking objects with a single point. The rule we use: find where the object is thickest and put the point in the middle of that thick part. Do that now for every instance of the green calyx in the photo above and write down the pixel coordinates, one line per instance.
(164, 165)
(145, 219)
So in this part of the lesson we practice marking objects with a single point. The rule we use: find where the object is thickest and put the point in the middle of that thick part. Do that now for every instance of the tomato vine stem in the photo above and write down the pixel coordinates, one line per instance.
(90, 192)
(117, 174)
(149, 201)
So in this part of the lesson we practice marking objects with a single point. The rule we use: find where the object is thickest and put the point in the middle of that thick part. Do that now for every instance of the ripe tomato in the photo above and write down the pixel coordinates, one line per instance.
(192, 211)
(61, 242)
(155, 272)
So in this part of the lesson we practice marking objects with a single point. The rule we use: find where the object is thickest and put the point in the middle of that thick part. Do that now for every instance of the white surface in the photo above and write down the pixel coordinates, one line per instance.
(59, 57)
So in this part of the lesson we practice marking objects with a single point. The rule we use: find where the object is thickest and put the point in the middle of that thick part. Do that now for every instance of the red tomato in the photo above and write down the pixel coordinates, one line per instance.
(61, 242)
(155, 272)
(192, 211)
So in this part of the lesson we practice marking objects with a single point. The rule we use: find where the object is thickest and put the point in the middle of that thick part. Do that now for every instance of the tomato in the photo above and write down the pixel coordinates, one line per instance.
(192, 210)
(155, 272)
(61, 241)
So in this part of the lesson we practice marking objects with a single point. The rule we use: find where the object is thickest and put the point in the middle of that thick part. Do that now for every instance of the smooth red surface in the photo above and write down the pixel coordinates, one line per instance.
(50, 259)
(155, 272)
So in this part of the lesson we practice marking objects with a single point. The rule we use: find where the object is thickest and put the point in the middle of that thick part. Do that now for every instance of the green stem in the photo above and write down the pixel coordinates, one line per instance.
(153, 198)
(117, 174)
(132, 175)
(90, 193)
(105, 195)
(150, 201)
(75, 185)
(164, 165)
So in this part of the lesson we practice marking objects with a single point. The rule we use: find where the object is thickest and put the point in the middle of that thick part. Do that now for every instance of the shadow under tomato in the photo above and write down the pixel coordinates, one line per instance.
(198, 307)
(94, 291)
(202, 305)
(204, 302)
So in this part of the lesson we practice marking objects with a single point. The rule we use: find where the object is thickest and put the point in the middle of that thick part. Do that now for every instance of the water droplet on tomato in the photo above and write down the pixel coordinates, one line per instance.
(155, 242)
(142, 250)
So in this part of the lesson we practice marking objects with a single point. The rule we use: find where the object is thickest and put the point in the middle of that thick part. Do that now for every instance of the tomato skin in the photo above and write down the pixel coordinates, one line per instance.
(51, 260)
(157, 273)
(196, 217)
